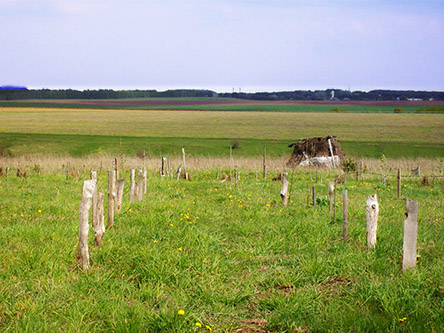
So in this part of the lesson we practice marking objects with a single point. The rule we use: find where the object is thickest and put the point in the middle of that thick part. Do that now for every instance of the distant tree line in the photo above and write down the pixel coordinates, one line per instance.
(343, 95)
(22, 94)
(306, 95)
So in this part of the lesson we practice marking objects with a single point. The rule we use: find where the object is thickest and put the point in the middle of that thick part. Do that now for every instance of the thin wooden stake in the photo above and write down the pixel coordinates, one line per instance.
(85, 205)
(344, 215)
(94, 199)
(265, 163)
(132, 194)
(140, 185)
(284, 189)
(410, 235)
(111, 196)
(334, 202)
(144, 181)
(372, 212)
(99, 227)
(120, 184)
(399, 183)
(116, 167)
(313, 196)
(331, 189)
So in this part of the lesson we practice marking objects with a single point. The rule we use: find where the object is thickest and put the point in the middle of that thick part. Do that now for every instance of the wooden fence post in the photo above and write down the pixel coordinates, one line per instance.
(313, 196)
(265, 163)
(372, 212)
(284, 189)
(144, 181)
(184, 164)
(7, 172)
(399, 183)
(410, 235)
(116, 167)
(89, 187)
(67, 170)
(140, 185)
(162, 172)
(132, 194)
(334, 203)
(331, 188)
(120, 184)
(179, 170)
(94, 199)
(344, 214)
(99, 227)
(111, 196)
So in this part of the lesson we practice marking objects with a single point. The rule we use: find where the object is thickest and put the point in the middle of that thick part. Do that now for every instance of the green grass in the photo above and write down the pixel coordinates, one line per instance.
(257, 107)
(229, 257)
(80, 132)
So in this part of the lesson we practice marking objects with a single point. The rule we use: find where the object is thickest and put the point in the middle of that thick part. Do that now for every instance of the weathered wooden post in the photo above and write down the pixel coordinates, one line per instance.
(120, 184)
(85, 205)
(284, 189)
(99, 227)
(316, 173)
(140, 185)
(372, 212)
(185, 173)
(399, 183)
(132, 194)
(162, 173)
(116, 167)
(94, 199)
(256, 175)
(344, 214)
(265, 163)
(111, 196)
(410, 235)
(7, 172)
(313, 196)
(67, 170)
(179, 170)
(334, 202)
(331, 188)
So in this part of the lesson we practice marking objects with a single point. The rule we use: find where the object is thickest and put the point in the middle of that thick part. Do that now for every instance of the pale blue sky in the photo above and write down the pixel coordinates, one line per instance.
(220, 45)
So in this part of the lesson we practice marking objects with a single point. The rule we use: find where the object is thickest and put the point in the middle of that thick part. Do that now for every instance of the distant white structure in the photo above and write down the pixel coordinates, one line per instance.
(332, 95)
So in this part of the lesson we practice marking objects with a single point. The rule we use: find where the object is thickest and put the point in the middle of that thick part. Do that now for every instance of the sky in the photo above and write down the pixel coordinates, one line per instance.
(252, 45)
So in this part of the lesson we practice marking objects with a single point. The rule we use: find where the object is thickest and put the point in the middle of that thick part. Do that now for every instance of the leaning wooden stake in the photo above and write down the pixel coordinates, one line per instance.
(185, 173)
(284, 189)
(331, 188)
(410, 235)
(344, 214)
(89, 187)
(120, 184)
(99, 227)
(111, 196)
(372, 212)
(116, 167)
(132, 194)
(399, 183)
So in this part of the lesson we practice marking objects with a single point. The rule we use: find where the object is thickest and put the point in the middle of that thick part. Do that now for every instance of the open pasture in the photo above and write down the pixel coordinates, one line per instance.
(80, 132)
(201, 255)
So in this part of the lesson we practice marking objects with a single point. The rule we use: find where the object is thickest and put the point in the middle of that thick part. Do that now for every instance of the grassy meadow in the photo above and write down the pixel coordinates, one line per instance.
(205, 255)
(81, 132)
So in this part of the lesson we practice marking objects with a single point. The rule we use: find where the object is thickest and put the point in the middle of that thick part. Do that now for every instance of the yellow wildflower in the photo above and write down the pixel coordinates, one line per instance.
(180, 312)
(198, 324)
(208, 328)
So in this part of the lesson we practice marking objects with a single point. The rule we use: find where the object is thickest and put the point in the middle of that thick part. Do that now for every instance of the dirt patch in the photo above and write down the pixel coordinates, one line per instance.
(252, 325)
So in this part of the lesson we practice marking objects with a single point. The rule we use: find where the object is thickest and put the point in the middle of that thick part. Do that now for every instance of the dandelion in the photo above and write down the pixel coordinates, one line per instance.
(171, 225)
(208, 328)
(129, 210)
(198, 324)
(39, 211)
(180, 312)
(22, 215)
(402, 319)
(180, 249)
(155, 241)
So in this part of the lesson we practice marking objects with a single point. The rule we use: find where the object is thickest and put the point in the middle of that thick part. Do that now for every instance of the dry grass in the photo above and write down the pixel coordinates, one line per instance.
(55, 164)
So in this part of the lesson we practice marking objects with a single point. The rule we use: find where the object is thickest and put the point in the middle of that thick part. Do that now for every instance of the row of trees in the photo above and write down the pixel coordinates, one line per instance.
(307, 95)
(23, 94)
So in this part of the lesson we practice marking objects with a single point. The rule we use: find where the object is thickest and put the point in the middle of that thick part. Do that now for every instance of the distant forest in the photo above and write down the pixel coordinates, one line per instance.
(306, 95)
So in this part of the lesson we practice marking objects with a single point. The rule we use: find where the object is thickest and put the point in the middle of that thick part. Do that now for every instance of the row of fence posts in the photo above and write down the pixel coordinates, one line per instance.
(372, 214)
(91, 198)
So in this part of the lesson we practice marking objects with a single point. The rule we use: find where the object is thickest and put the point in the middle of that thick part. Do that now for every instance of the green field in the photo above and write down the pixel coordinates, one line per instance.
(229, 257)
(80, 132)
